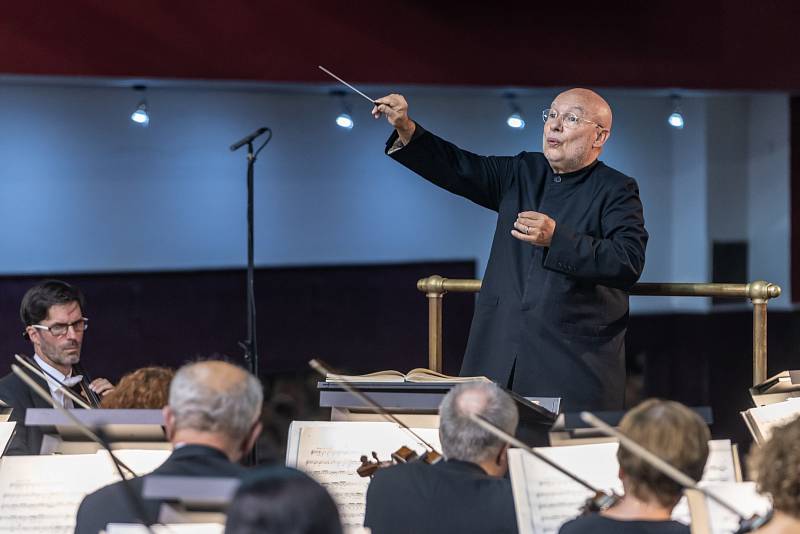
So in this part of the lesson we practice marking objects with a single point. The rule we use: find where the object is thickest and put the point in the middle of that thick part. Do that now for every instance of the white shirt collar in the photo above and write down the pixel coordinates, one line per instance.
(55, 392)
(51, 370)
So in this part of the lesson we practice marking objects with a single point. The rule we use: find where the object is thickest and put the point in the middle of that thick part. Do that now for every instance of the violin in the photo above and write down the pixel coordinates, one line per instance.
(601, 500)
(403, 455)
(91, 396)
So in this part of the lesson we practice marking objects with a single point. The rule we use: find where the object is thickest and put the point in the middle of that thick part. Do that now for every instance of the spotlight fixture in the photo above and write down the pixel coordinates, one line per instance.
(141, 114)
(514, 120)
(675, 118)
(344, 120)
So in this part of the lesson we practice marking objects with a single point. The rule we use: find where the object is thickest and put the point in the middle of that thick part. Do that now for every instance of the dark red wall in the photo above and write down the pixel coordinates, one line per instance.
(699, 44)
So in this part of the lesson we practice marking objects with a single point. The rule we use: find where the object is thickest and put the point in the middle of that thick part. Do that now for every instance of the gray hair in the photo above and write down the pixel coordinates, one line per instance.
(215, 396)
(461, 438)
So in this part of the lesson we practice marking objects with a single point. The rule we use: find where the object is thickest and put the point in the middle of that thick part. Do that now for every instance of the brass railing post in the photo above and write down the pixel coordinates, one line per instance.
(435, 331)
(434, 292)
(760, 292)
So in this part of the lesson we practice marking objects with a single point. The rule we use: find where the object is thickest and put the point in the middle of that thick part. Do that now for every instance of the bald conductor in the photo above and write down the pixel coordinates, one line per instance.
(551, 316)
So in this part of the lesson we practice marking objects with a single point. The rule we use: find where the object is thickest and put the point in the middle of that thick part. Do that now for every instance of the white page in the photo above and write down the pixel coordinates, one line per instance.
(545, 499)
(771, 416)
(142, 461)
(331, 453)
(6, 430)
(742, 495)
(719, 469)
(41, 494)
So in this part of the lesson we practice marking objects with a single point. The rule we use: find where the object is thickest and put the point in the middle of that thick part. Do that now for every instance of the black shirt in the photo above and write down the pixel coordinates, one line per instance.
(598, 524)
(450, 496)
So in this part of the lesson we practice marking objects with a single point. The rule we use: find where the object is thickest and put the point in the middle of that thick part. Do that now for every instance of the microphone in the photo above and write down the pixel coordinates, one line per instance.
(249, 139)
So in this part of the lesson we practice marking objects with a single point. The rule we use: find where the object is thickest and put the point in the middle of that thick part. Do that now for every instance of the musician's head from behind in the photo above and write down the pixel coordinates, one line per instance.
(464, 440)
(52, 313)
(217, 404)
(145, 388)
(282, 500)
(776, 466)
(672, 432)
(577, 125)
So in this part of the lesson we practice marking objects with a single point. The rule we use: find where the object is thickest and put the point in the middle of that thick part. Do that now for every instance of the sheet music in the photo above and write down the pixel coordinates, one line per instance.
(330, 453)
(545, 499)
(6, 430)
(41, 494)
(772, 416)
(719, 469)
(142, 461)
(742, 495)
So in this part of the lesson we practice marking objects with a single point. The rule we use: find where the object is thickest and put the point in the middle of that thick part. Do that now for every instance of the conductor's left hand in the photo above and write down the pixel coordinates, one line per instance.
(534, 228)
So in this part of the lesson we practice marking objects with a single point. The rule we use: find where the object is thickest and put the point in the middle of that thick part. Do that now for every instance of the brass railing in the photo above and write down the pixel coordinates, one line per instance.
(759, 292)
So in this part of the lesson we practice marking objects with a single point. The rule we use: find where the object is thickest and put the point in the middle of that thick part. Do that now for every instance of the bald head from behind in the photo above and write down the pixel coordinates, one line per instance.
(570, 145)
(216, 404)
(462, 439)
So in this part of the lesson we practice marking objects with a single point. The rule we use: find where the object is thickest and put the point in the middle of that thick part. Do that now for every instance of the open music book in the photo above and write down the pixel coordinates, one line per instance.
(545, 499)
(420, 374)
(330, 452)
(763, 419)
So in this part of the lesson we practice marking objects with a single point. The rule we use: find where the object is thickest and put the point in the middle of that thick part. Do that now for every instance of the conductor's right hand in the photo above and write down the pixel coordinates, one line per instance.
(395, 108)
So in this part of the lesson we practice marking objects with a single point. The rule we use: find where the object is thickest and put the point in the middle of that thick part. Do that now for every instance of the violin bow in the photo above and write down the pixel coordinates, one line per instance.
(324, 370)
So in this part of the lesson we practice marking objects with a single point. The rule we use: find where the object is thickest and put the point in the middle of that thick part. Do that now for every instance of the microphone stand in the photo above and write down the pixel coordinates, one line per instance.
(249, 345)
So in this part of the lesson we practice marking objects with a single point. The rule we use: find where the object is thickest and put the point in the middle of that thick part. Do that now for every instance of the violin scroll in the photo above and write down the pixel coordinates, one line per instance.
(600, 501)
(400, 456)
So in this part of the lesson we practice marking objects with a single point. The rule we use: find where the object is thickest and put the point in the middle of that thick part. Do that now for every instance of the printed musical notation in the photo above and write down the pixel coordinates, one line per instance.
(545, 499)
(331, 452)
(41, 494)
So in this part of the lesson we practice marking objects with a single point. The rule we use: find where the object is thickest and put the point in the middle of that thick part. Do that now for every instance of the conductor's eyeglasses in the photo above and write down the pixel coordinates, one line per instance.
(60, 329)
(568, 119)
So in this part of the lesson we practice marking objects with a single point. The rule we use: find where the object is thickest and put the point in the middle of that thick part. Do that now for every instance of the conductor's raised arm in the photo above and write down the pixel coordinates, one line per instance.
(395, 108)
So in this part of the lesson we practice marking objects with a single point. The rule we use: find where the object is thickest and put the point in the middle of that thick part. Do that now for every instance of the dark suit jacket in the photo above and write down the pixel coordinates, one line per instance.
(447, 497)
(111, 504)
(17, 394)
(554, 318)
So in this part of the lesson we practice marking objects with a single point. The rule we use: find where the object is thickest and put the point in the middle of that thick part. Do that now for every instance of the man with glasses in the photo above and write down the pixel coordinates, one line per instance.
(570, 240)
(52, 313)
